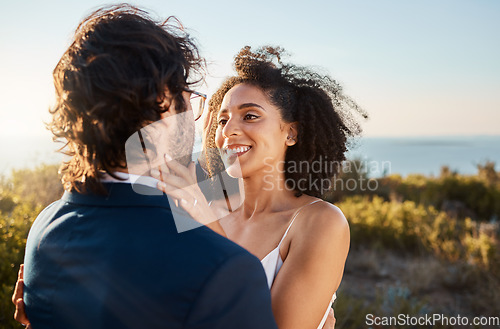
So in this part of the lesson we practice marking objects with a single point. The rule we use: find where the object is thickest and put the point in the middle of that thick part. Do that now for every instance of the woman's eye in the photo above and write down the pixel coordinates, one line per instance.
(250, 116)
(222, 122)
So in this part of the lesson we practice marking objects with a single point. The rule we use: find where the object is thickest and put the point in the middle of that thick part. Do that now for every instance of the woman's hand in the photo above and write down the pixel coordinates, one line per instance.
(180, 183)
(330, 320)
(17, 299)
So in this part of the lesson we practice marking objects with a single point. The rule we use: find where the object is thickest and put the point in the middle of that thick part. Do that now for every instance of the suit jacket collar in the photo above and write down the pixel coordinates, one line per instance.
(120, 195)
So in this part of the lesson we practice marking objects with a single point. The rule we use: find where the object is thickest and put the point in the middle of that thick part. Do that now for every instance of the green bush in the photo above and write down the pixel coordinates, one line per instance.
(22, 197)
(415, 228)
(40, 186)
(476, 196)
(14, 228)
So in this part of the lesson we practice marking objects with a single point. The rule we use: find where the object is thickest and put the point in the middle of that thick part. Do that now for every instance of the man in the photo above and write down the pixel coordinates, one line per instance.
(107, 255)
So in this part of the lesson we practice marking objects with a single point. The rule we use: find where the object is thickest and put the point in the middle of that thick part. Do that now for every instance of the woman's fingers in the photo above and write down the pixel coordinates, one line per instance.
(179, 182)
(187, 198)
(164, 168)
(175, 186)
(192, 171)
(174, 192)
(175, 174)
(17, 298)
(196, 206)
(201, 212)
(20, 313)
(18, 291)
(174, 181)
(19, 288)
(180, 170)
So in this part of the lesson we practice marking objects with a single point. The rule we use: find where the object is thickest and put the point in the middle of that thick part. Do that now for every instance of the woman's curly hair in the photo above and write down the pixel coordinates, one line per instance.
(111, 82)
(326, 117)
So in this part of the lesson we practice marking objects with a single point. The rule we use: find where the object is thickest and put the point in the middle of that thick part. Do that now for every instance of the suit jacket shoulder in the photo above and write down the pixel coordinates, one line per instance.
(118, 261)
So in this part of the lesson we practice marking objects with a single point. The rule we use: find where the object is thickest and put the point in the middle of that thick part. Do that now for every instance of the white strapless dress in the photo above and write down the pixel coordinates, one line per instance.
(272, 264)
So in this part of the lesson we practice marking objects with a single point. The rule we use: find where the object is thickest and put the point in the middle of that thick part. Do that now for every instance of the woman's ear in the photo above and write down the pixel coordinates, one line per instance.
(291, 138)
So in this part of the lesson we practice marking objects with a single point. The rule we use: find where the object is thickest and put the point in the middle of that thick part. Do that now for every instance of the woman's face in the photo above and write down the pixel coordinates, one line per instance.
(250, 132)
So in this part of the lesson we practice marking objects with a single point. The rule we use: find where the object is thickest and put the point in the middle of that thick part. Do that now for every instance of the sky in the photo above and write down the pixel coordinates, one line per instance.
(419, 68)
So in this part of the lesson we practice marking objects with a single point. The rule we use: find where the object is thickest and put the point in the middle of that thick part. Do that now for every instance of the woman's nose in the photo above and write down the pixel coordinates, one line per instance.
(231, 128)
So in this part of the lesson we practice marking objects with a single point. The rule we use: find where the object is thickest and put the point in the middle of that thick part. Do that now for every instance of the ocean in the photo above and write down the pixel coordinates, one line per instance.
(380, 155)
(426, 154)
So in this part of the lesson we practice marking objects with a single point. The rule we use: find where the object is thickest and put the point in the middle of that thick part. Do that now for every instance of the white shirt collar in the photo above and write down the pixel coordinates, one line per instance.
(129, 179)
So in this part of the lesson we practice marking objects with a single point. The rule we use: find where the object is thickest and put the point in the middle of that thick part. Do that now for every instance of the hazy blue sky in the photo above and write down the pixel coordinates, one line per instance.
(418, 67)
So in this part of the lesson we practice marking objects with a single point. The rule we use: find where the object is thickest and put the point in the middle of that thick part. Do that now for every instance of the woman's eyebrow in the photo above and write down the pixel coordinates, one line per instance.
(242, 106)
(245, 105)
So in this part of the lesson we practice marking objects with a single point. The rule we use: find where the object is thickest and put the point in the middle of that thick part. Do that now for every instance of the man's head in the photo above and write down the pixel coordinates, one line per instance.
(122, 72)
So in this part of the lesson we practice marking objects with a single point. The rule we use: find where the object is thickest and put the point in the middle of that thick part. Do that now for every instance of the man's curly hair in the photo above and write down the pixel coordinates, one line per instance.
(111, 82)
(326, 117)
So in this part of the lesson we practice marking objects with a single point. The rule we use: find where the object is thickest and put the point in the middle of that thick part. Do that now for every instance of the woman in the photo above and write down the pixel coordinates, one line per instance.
(283, 130)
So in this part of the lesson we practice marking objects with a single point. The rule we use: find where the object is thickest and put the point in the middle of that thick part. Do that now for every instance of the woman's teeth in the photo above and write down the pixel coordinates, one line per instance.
(237, 150)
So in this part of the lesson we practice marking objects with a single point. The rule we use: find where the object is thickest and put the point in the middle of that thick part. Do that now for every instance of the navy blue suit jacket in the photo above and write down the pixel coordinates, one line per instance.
(117, 261)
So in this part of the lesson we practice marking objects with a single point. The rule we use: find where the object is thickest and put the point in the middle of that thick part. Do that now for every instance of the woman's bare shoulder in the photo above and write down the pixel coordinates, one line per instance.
(321, 219)
(323, 214)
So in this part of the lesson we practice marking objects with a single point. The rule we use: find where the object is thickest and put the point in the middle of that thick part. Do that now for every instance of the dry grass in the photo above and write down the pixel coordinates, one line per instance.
(385, 282)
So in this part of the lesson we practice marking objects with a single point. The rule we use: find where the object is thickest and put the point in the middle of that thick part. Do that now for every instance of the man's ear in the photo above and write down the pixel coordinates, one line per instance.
(291, 138)
(168, 104)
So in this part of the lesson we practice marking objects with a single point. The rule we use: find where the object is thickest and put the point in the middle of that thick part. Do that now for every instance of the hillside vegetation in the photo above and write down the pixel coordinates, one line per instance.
(419, 245)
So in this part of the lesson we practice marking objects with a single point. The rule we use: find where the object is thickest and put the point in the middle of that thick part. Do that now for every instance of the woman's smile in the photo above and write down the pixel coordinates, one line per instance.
(236, 150)
(232, 152)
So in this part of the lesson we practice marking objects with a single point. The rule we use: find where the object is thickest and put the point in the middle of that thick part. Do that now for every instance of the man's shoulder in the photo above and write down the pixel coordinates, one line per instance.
(156, 228)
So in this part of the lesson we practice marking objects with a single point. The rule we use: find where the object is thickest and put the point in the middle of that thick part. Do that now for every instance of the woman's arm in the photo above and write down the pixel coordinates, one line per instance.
(313, 267)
